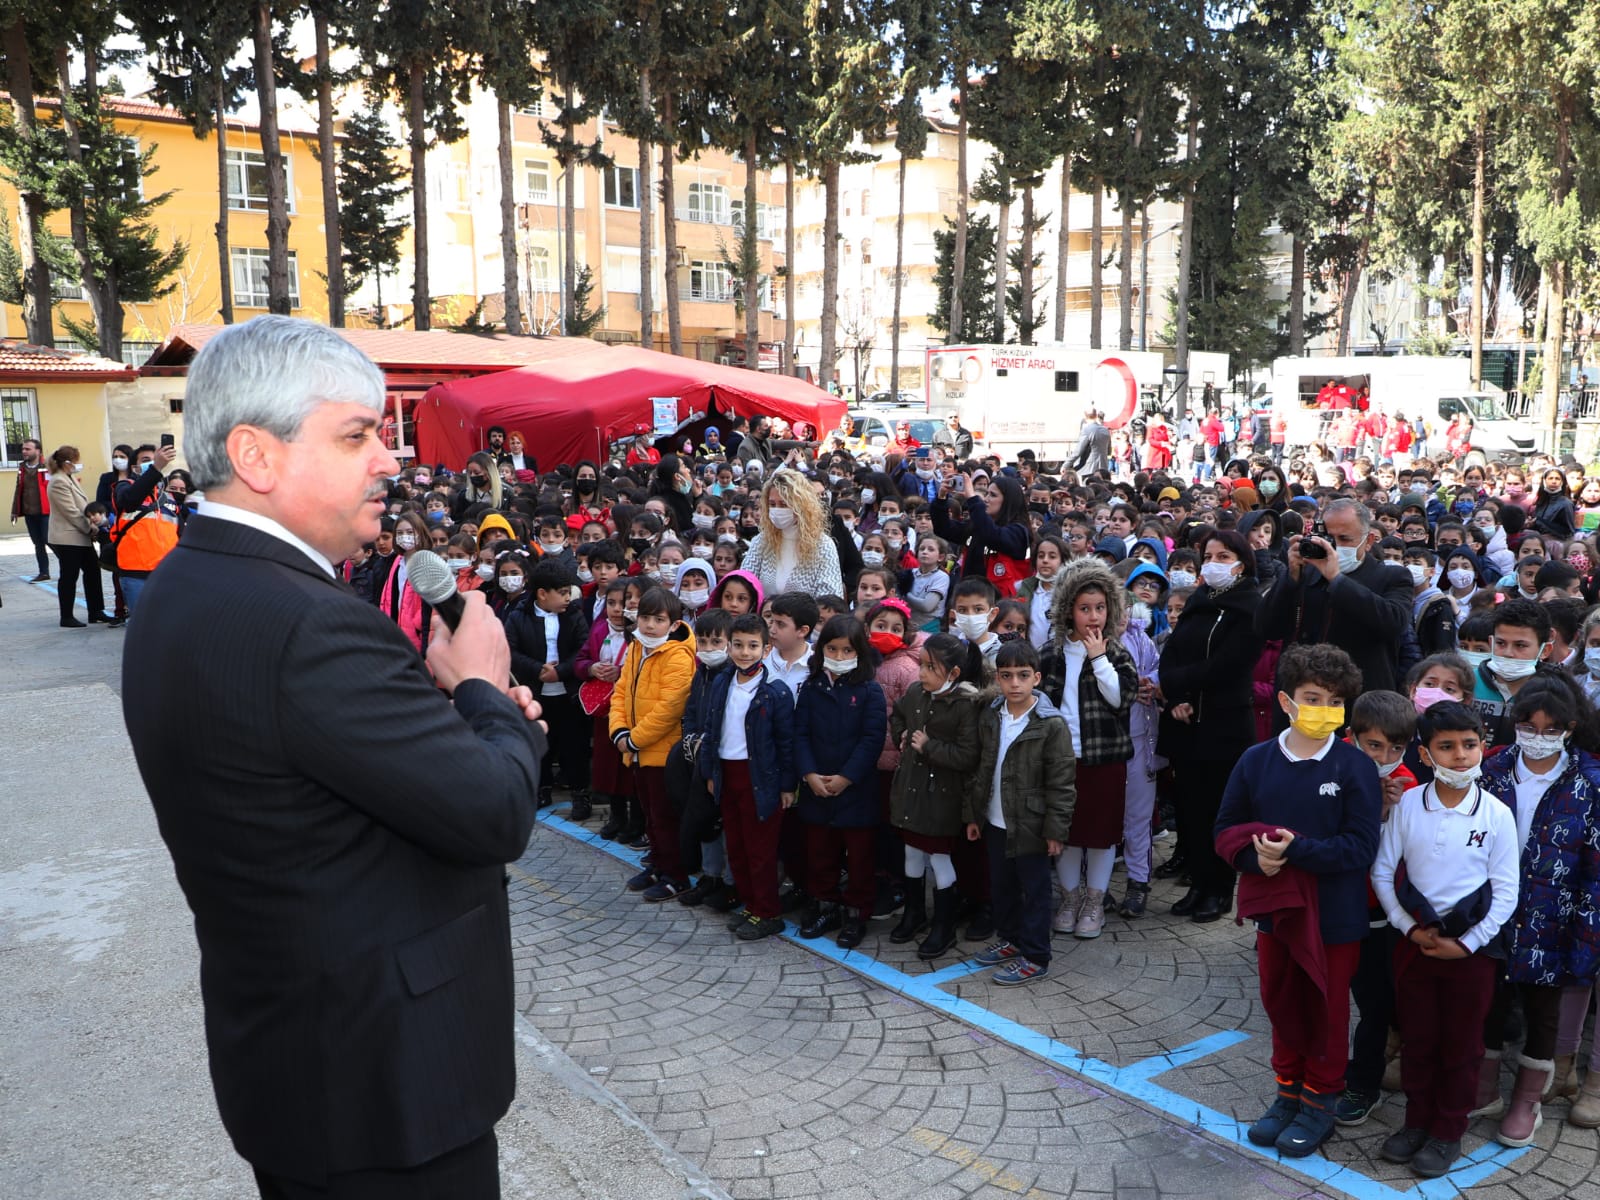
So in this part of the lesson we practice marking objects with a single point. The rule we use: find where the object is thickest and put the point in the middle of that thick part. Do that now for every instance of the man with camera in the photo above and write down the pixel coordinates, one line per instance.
(1336, 591)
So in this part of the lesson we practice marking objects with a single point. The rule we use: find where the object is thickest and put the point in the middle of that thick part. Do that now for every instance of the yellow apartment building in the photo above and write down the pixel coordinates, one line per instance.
(187, 168)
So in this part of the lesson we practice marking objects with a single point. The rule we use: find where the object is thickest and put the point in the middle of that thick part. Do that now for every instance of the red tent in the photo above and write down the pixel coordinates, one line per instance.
(575, 407)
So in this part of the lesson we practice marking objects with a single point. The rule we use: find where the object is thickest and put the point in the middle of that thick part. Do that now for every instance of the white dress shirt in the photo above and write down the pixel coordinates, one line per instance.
(733, 746)
(1010, 727)
(1530, 789)
(266, 525)
(552, 631)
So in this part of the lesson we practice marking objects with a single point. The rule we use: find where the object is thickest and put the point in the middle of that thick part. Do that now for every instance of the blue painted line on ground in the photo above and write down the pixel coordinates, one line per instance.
(1134, 1081)
(49, 586)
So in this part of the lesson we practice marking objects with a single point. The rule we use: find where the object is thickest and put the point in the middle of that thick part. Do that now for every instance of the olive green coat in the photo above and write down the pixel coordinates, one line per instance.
(930, 784)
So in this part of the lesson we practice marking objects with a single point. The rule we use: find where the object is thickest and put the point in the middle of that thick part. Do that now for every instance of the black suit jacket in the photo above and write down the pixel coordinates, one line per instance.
(1363, 613)
(347, 890)
(525, 635)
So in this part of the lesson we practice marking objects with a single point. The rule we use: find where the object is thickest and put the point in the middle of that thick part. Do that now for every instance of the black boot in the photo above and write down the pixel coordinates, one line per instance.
(981, 927)
(1173, 867)
(618, 819)
(823, 919)
(915, 915)
(582, 806)
(1187, 905)
(942, 933)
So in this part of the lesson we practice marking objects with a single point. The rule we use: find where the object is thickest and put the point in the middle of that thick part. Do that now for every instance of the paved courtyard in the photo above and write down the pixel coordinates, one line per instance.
(660, 1056)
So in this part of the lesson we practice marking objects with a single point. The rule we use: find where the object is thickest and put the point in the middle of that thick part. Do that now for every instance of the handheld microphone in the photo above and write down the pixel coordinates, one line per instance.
(433, 580)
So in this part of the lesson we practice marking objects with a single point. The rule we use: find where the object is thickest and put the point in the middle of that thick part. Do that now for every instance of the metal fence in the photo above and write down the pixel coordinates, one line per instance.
(1580, 404)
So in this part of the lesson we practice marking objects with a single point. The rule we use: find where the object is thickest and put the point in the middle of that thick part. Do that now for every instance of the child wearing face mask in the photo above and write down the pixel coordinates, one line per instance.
(972, 614)
(1552, 942)
(693, 585)
(1037, 591)
(598, 667)
(701, 842)
(1519, 649)
(1139, 796)
(1299, 819)
(895, 641)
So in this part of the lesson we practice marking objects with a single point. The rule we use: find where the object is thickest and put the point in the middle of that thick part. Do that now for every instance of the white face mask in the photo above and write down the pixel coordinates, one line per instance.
(120, 463)
(1181, 578)
(668, 573)
(782, 518)
(944, 687)
(868, 495)
(1349, 559)
(839, 666)
(1458, 779)
(485, 571)
(703, 520)
(924, 472)
(585, 576)
(972, 626)
(511, 584)
(459, 564)
(1539, 746)
(872, 558)
(701, 550)
(695, 597)
(1514, 668)
(630, 614)
(406, 541)
(712, 658)
(651, 643)
(1419, 573)
(1219, 574)
(1387, 769)
(727, 539)
(1462, 577)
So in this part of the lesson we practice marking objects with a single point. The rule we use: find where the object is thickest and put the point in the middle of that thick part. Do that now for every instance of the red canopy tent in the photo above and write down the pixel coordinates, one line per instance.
(575, 407)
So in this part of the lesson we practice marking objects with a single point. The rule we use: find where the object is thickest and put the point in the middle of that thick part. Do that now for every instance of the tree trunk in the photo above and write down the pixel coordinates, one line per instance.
(36, 293)
(1556, 273)
(569, 234)
(1185, 266)
(510, 260)
(1297, 296)
(750, 252)
(669, 224)
(1002, 237)
(1347, 305)
(899, 266)
(1144, 276)
(958, 257)
(647, 224)
(1063, 248)
(332, 246)
(272, 153)
(90, 279)
(219, 119)
(1125, 277)
(1096, 253)
(1025, 313)
(829, 318)
(416, 118)
(788, 267)
(1480, 173)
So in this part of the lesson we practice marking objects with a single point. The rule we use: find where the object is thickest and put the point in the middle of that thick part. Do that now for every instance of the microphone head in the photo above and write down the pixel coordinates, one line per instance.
(431, 577)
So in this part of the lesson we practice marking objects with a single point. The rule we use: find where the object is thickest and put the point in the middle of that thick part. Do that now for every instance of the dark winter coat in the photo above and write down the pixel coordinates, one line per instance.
(768, 733)
(1037, 780)
(930, 785)
(838, 730)
(525, 634)
(1207, 661)
(1553, 939)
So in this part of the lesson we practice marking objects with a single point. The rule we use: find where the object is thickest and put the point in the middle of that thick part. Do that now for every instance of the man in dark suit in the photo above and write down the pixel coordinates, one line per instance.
(1348, 598)
(1094, 445)
(338, 826)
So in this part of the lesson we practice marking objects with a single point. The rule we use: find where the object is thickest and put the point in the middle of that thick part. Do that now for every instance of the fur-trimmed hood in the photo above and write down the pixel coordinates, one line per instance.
(1077, 577)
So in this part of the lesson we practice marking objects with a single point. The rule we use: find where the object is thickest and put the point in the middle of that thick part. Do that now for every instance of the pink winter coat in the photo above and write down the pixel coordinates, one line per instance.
(895, 676)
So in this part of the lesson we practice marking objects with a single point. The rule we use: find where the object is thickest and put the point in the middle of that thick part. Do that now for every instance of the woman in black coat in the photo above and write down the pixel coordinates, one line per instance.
(1553, 514)
(673, 483)
(1208, 719)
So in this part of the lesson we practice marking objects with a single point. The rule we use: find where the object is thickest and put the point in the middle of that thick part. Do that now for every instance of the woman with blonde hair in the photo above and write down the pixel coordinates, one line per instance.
(484, 486)
(793, 552)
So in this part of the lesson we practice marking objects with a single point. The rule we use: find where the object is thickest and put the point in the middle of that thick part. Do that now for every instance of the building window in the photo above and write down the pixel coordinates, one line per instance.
(541, 271)
(536, 180)
(710, 281)
(622, 271)
(250, 278)
(763, 227)
(708, 203)
(247, 180)
(622, 187)
(63, 287)
(19, 413)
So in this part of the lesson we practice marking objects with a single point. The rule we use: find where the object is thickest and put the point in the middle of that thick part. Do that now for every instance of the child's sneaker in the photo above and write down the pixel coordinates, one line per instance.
(1066, 918)
(1353, 1108)
(725, 901)
(704, 888)
(755, 928)
(1278, 1116)
(1020, 970)
(996, 953)
(1435, 1158)
(1134, 900)
(738, 919)
(1310, 1129)
(1092, 916)
(667, 889)
(1403, 1145)
(644, 879)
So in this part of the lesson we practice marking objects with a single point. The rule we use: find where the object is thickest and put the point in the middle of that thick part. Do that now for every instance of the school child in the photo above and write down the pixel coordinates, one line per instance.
(552, 536)
(546, 636)
(1519, 652)
(872, 585)
(1553, 940)
(1036, 591)
(746, 758)
(1299, 818)
(607, 562)
(930, 583)
(935, 726)
(972, 612)
(1147, 586)
(840, 721)
(1586, 667)
(1090, 676)
(895, 642)
(829, 607)
(792, 618)
(739, 592)
(700, 820)
(1383, 726)
(1010, 621)
(1020, 802)
(693, 586)
(1177, 600)
(647, 721)
(1446, 875)
(1475, 638)
(1443, 676)
(598, 667)
(1139, 797)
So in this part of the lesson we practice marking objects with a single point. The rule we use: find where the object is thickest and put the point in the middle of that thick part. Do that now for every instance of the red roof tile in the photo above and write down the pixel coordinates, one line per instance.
(20, 360)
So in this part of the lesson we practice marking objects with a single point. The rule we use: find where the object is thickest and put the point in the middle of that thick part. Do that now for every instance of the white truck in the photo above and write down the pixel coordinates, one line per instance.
(1034, 397)
(1434, 388)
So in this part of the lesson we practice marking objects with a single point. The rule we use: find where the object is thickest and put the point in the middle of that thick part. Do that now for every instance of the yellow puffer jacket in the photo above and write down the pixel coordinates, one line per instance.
(651, 694)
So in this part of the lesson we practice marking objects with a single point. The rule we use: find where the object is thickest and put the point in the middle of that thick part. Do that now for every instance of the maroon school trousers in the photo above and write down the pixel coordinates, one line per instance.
(826, 847)
(752, 843)
(1323, 1070)
(660, 820)
(1441, 1005)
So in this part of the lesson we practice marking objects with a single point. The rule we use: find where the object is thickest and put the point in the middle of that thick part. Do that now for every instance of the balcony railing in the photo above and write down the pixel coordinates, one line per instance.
(704, 216)
(706, 295)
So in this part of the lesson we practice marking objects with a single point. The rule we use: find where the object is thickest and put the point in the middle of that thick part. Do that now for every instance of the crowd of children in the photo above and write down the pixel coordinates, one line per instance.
(971, 737)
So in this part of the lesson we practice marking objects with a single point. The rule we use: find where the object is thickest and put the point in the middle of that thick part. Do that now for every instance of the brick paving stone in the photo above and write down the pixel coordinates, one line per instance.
(853, 1091)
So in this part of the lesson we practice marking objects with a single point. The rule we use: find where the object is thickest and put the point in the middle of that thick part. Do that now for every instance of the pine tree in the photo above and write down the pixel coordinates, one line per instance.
(977, 281)
(370, 193)
(26, 150)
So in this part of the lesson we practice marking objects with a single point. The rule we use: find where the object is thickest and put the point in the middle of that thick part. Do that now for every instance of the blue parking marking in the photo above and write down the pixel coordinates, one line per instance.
(1134, 1081)
(49, 586)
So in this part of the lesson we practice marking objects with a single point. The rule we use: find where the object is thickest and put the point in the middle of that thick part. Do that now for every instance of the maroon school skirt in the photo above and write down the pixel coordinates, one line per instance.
(1097, 819)
(606, 771)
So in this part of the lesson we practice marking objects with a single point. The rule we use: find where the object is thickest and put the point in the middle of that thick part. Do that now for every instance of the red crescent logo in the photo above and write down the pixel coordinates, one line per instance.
(1130, 401)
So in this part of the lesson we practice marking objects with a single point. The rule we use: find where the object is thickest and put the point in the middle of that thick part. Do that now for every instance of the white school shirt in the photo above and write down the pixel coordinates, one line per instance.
(1010, 727)
(1039, 630)
(1449, 853)
(733, 745)
(1530, 790)
(1105, 675)
(552, 630)
(791, 675)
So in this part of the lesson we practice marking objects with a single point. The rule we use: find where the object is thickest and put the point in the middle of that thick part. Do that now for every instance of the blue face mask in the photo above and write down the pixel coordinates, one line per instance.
(436, 515)
(147, 464)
